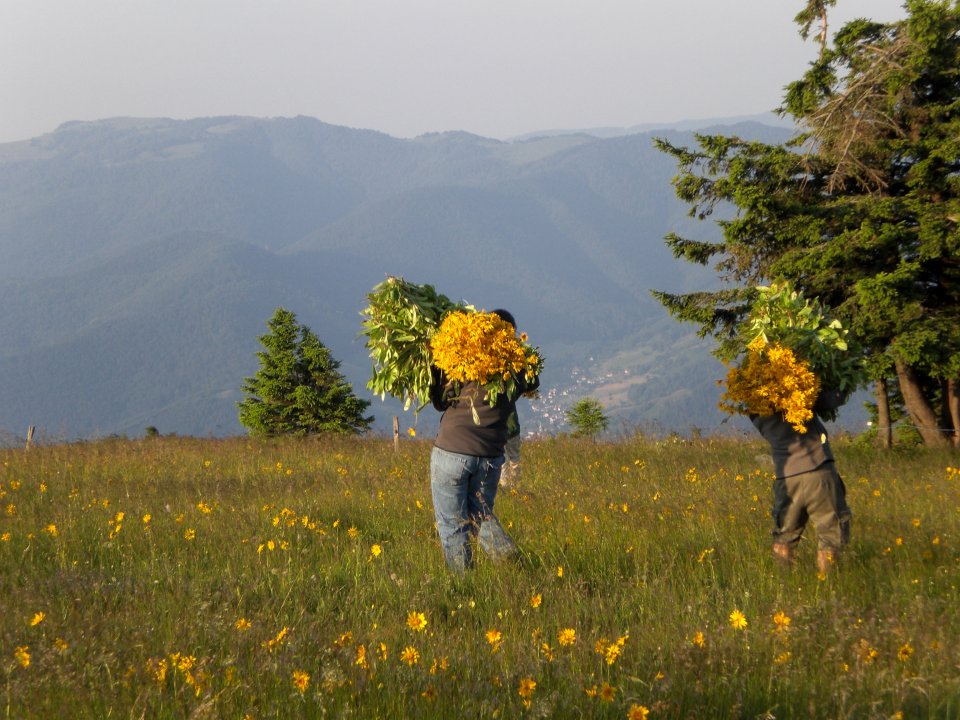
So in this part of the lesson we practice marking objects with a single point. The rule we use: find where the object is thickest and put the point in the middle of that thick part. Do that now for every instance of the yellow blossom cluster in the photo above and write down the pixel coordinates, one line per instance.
(480, 347)
(771, 379)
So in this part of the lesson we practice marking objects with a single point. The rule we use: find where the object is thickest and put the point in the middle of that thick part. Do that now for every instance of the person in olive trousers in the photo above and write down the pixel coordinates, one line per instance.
(807, 487)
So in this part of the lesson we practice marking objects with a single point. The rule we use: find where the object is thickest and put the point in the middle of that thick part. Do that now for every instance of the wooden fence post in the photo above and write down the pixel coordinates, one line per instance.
(30, 431)
(396, 434)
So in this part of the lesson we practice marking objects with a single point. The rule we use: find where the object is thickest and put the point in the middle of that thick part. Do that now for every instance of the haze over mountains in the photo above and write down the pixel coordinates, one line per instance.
(141, 259)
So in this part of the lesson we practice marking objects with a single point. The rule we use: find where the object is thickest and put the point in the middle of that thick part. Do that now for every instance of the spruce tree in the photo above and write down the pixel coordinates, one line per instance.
(586, 418)
(860, 210)
(298, 389)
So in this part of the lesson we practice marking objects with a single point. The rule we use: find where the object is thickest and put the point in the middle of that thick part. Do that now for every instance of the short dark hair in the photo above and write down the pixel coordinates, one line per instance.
(505, 315)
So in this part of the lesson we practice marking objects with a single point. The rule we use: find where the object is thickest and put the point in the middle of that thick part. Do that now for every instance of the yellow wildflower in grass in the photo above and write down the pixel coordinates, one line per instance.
(615, 649)
(781, 621)
(51, 530)
(382, 651)
(410, 655)
(495, 638)
(698, 639)
(526, 687)
(352, 532)
(275, 642)
(22, 655)
(738, 621)
(375, 551)
(412, 432)
(61, 645)
(204, 508)
(771, 379)
(607, 692)
(37, 618)
(301, 680)
(536, 600)
(5, 537)
(638, 712)
(189, 534)
(567, 637)
(242, 624)
(158, 669)
(479, 347)
(439, 665)
(559, 571)
(361, 657)
(417, 621)
(905, 651)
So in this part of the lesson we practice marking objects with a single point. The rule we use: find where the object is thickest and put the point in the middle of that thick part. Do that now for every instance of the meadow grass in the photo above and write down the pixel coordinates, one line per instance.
(179, 578)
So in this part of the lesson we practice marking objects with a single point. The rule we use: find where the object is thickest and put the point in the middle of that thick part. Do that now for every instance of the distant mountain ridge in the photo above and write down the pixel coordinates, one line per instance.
(142, 258)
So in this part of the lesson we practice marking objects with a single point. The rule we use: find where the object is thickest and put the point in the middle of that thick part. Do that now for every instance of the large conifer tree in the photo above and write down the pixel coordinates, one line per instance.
(860, 210)
(298, 389)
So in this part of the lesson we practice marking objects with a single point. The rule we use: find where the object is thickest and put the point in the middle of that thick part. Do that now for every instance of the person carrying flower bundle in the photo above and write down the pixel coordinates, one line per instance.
(796, 368)
(480, 370)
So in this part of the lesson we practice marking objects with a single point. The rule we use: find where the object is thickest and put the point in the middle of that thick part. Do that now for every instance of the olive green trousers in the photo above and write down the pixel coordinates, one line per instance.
(818, 497)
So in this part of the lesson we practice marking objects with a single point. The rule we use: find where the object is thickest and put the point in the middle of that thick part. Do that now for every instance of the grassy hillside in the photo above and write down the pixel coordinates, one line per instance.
(176, 578)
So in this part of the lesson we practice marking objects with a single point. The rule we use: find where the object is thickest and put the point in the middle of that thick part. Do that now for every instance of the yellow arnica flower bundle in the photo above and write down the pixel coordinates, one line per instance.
(482, 348)
(771, 379)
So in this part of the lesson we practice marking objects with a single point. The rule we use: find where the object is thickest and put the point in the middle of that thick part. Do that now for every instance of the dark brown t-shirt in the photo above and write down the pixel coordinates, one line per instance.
(459, 432)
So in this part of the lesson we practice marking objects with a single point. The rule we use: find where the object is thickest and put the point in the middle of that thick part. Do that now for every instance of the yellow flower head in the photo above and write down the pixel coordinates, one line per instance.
(526, 688)
(607, 692)
(301, 681)
(738, 621)
(417, 621)
(567, 636)
(410, 655)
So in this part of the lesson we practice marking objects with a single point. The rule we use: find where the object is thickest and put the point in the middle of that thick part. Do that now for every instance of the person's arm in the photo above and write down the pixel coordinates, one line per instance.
(828, 401)
(524, 386)
(439, 397)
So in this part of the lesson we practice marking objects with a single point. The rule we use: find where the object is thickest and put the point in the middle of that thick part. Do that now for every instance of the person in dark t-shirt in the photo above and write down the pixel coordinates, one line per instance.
(465, 464)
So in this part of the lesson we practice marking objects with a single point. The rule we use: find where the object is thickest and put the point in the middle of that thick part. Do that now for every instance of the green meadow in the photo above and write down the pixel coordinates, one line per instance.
(186, 578)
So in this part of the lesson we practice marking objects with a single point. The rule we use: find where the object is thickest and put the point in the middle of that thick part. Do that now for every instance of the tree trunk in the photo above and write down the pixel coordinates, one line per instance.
(922, 415)
(884, 425)
(953, 404)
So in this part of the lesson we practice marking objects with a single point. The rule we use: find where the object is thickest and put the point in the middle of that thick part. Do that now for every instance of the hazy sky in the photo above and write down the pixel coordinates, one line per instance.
(497, 68)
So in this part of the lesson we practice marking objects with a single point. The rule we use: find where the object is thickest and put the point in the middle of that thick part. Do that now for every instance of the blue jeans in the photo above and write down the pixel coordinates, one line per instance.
(464, 488)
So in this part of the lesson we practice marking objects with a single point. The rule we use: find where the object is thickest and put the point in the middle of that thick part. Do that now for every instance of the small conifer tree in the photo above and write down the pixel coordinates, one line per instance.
(586, 418)
(298, 389)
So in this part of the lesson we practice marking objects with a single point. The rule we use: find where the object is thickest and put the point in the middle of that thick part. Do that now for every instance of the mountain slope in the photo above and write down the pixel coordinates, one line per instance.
(142, 259)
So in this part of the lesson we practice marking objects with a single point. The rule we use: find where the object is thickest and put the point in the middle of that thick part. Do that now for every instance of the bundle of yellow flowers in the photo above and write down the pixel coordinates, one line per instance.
(772, 379)
(481, 347)
(411, 328)
(791, 350)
